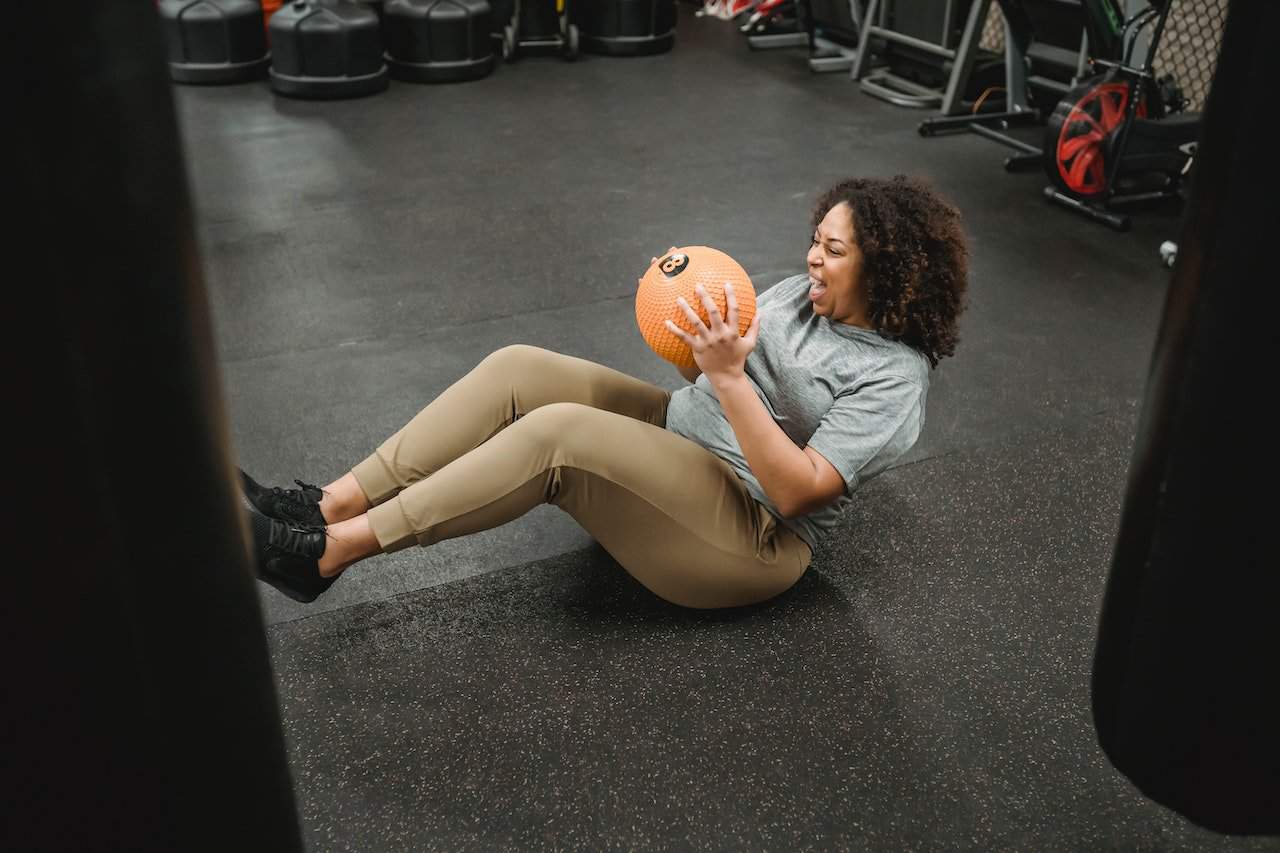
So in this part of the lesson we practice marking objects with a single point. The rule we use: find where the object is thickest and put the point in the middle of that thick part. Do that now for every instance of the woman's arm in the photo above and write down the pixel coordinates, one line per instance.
(784, 471)
(690, 373)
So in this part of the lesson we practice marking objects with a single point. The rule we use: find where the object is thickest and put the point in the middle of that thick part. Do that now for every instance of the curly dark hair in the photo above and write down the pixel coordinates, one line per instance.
(915, 258)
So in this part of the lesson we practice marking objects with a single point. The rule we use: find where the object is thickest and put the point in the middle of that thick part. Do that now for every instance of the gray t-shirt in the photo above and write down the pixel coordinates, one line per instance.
(852, 395)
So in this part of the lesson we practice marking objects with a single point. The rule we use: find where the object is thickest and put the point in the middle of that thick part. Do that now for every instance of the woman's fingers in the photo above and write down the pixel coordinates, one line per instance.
(691, 340)
(730, 321)
(713, 310)
(699, 328)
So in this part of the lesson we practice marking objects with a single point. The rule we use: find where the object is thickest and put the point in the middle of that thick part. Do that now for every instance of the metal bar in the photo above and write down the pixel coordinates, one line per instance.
(1024, 162)
(1009, 141)
(919, 44)
(864, 38)
(1048, 83)
(930, 126)
(907, 93)
(1015, 65)
(1082, 62)
(777, 40)
(965, 56)
(1112, 220)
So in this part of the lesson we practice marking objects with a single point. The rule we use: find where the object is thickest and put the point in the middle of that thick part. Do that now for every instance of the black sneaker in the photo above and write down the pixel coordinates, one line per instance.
(297, 506)
(287, 556)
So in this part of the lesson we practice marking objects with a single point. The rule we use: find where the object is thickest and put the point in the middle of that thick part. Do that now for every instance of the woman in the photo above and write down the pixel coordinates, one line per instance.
(712, 496)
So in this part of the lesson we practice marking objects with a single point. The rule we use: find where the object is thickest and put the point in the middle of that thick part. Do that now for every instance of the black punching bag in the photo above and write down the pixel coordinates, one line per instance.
(1187, 669)
(139, 710)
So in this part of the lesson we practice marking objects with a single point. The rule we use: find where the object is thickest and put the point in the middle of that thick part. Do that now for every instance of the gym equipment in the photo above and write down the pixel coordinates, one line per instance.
(435, 41)
(537, 24)
(725, 10)
(378, 6)
(1184, 673)
(1119, 136)
(678, 274)
(776, 23)
(215, 41)
(269, 8)
(829, 28)
(626, 27)
(140, 710)
(772, 16)
(912, 70)
(326, 49)
(835, 30)
(1046, 50)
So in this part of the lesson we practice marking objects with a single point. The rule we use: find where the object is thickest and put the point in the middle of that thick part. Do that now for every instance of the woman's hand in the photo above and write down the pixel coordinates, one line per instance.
(719, 351)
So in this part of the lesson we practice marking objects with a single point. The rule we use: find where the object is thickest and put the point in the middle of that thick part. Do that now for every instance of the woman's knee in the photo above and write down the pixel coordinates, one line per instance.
(514, 356)
(511, 364)
(556, 421)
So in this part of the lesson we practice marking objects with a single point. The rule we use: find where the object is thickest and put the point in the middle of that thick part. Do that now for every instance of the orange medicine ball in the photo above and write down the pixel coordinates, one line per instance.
(677, 274)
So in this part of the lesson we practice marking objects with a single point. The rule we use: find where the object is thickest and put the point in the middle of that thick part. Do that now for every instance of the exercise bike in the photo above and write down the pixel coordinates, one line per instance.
(1121, 135)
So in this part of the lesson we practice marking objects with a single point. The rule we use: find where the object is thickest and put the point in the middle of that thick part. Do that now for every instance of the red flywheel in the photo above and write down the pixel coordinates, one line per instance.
(1080, 133)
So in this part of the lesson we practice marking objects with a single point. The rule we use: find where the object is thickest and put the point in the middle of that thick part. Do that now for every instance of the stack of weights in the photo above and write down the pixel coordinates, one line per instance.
(626, 27)
(214, 41)
(326, 49)
(434, 41)
(378, 6)
(679, 274)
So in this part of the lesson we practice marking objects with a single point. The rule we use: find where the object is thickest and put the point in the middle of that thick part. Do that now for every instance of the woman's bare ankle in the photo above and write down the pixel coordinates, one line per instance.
(346, 543)
(343, 499)
(331, 562)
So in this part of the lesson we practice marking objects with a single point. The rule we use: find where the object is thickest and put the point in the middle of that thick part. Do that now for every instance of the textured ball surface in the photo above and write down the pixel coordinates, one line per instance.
(677, 274)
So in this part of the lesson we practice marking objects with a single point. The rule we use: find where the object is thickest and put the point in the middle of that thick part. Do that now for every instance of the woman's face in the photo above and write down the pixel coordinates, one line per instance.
(835, 269)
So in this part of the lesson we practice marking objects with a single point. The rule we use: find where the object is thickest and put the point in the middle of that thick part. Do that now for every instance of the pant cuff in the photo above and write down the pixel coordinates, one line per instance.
(391, 527)
(375, 480)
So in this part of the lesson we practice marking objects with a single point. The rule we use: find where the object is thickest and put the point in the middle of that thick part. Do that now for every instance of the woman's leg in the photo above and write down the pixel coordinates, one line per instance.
(672, 513)
(505, 386)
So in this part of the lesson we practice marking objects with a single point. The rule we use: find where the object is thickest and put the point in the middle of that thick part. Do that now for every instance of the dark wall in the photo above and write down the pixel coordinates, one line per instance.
(1186, 671)
(139, 707)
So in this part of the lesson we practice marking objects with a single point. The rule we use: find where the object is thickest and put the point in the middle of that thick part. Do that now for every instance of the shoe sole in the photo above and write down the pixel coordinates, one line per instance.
(284, 588)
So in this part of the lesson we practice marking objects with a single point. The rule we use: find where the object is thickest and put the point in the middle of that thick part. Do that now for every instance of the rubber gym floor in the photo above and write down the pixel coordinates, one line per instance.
(925, 686)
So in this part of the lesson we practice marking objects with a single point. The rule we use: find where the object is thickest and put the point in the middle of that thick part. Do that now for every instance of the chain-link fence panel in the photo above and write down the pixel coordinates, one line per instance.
(1188, 50)
(993, 30)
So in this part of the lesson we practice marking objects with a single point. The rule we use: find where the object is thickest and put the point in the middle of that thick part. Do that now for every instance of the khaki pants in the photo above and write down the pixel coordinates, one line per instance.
(528, 426)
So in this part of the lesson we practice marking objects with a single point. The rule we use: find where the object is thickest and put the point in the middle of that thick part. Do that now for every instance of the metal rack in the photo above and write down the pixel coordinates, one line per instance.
(1022, 51)
(829, 43)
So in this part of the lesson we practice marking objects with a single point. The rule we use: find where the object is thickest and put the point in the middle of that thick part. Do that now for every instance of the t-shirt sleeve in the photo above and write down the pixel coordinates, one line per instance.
(867, 428)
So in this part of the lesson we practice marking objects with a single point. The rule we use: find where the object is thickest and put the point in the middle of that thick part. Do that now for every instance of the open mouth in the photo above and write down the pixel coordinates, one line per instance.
(816, 288)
